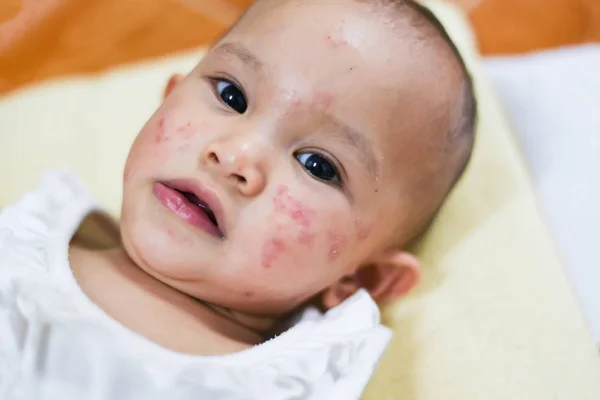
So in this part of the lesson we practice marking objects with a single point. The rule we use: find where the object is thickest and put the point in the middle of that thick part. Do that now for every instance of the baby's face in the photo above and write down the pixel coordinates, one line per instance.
(296, 131)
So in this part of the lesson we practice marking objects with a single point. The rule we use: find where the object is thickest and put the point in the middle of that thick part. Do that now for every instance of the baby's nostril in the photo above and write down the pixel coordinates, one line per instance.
(240, 178)
(212, 156)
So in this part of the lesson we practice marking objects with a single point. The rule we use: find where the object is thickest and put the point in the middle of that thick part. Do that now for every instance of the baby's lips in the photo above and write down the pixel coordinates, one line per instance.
(205, 195)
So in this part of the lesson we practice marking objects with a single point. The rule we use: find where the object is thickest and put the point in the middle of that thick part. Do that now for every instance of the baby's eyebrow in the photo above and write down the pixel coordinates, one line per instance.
(357, 140)
(241, 52)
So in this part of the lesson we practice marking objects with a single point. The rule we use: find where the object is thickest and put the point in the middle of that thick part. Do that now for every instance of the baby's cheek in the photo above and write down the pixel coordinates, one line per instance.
(301, 234)
(294, 231)
(362, 229)
(126, 173)
(273, 249)
(338, 242)
(341, 241)
(298, 234)
(174, 128)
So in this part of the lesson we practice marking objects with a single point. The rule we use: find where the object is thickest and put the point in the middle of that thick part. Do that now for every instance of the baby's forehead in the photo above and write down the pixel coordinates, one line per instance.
(343, 46)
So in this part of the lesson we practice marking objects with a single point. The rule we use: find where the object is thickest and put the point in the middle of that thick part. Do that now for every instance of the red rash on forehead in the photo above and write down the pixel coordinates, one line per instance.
(336, 42)
(323, 101)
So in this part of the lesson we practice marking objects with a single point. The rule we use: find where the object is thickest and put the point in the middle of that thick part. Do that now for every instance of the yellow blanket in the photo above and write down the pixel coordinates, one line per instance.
(494, 318)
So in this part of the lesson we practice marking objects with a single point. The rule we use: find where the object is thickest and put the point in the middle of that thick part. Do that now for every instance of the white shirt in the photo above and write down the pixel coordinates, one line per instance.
(56, 344)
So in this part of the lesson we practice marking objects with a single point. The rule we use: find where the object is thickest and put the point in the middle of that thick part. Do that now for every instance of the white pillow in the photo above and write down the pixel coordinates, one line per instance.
(553, 100)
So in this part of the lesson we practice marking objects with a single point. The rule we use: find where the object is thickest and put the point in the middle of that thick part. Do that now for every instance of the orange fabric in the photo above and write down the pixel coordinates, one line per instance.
(517, 26)
(49, 38)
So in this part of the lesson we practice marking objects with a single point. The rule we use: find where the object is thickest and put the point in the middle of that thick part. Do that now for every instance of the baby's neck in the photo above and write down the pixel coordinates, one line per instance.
(159, 312)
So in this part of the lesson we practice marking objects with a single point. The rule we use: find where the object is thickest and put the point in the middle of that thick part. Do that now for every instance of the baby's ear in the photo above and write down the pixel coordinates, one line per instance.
(390, 277)
(174, 80)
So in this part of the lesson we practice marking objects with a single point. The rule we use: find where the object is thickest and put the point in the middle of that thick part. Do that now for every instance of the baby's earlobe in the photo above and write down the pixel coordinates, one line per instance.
(339, 291)
(391, 276)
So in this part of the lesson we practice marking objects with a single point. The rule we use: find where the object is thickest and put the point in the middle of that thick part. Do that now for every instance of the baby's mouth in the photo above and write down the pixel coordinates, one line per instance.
(192, 198)
(193, 203)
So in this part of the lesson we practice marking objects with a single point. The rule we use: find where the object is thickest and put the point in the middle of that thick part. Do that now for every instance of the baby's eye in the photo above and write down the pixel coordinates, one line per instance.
(231, 95)
(319, 167)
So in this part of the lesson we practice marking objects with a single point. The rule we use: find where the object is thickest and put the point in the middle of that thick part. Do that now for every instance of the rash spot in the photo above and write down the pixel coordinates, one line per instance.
(186, 130)
(185, 133)
(126, 174)
(338, 244)
(248, 294)
(363, 230)
(307, 238)
(302, 215)
(272, 250)
(336, 42)
(279, 199)
(323, 101)
(162, 136)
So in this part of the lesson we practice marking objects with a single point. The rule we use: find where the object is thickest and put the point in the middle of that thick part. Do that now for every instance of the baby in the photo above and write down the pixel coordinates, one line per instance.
(286, 173)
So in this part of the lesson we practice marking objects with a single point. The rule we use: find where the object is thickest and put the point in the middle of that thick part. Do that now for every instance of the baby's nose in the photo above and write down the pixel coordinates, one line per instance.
(240, 163)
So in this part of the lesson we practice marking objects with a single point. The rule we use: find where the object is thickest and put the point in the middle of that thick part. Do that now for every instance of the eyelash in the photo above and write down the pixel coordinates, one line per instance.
(215, 81)
(337, 181)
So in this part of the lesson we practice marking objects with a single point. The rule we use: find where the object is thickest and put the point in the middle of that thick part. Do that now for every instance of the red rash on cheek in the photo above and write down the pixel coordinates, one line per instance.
(301, 216)
(363, 230)
(272, 250)
(186, 133)
(307, 238)
(126, 174)
(278, 200)
(161, 135)
(186, 130)
(167, 126)
(339, 242)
